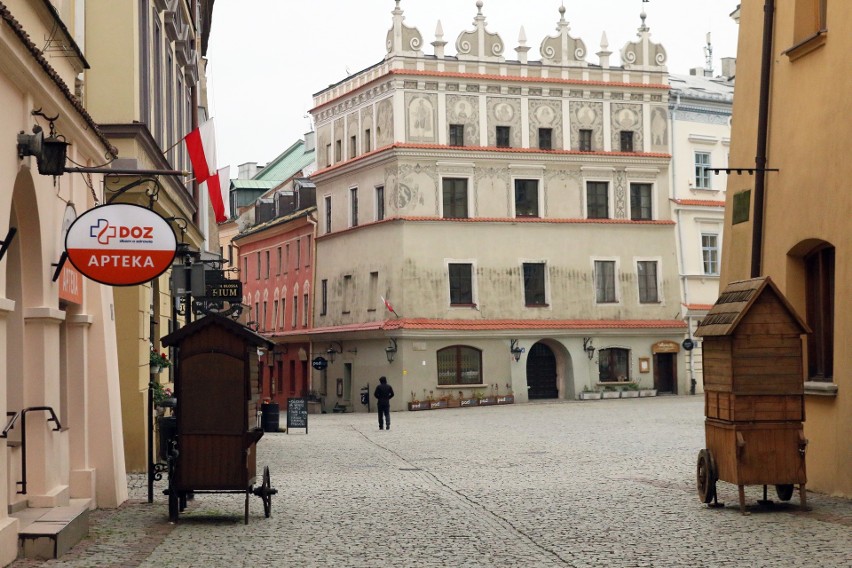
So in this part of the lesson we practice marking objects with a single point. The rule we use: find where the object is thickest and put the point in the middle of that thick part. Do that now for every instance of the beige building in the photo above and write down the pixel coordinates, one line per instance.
(700, 107)
(59, 371)
(515, 214)
(146, 90)
(803, 240)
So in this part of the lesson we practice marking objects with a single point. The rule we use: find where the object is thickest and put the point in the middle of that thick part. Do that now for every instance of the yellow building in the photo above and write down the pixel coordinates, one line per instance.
(803, 239)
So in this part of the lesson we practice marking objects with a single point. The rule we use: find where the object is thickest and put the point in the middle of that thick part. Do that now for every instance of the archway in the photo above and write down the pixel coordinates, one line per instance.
(542, 380)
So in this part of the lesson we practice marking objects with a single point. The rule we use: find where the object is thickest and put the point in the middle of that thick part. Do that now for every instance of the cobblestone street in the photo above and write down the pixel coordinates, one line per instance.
(601, 483)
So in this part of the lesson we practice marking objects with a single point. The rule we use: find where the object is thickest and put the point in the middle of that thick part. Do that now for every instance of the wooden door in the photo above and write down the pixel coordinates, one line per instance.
(665, 372)
(541, 373)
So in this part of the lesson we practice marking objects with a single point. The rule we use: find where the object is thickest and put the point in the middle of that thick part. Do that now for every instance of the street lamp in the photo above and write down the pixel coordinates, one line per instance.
(390, 350)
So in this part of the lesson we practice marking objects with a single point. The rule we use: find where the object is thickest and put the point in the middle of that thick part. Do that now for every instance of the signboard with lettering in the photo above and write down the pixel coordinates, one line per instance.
(319, 363)
(297, 413)
(665, 347)
(121, 244)
(230, 290)
(70, 281)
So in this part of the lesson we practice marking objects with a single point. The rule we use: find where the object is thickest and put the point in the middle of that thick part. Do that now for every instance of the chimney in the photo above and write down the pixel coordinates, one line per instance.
(247, 170)
(697, 71)
(729, 67)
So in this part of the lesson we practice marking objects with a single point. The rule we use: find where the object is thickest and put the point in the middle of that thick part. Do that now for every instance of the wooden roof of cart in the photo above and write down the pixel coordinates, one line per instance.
(734, 303)
(231, 326)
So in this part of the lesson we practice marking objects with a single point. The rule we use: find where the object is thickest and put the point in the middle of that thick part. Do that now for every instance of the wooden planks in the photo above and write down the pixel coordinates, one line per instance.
(753, 408)
(757, 453)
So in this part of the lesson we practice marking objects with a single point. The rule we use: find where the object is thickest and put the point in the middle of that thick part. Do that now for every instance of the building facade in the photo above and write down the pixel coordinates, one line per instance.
(700, 107)
(800, 236)
(58, 340)
(146, 90)
(514, 215)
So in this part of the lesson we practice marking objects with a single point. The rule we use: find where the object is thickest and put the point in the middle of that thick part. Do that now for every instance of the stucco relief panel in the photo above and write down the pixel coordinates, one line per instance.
(563, 197)
(367, 120)
(586, 115)
(338, 131)
(384, 123)
(323, 145)
(352, 123)
(627, 117)
(620, 194)
(421, 117)
(492, 192)
(415, 183)
(464, 110)
(504, 112)
(659, 129)
(546, 114)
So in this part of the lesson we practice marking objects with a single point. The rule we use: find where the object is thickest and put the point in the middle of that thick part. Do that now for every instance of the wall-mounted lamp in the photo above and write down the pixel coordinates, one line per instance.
(515, 350)
(49, 152)
(260, 352)
(331, 351)
(276, 355)
(390, 350)
(588, 347)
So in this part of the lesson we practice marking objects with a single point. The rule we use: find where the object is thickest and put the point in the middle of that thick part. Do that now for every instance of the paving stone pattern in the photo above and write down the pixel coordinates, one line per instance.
(606, 483)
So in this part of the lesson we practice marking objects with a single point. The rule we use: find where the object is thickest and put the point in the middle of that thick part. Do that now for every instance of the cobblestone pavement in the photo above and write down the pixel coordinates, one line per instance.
(606, 483)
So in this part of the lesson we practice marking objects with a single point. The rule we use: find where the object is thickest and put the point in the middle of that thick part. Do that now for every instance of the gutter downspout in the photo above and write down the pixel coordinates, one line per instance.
(760, 159)
(313, 253)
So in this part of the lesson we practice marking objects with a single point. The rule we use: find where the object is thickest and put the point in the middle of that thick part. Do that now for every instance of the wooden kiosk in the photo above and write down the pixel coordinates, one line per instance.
(214, 449)
(754, 393)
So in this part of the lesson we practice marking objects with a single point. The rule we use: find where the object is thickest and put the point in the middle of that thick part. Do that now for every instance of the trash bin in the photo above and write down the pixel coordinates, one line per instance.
(269, 417)
(167, 425)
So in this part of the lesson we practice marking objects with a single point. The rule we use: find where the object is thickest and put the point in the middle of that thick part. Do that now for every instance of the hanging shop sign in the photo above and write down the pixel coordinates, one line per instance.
(121, 244)
(70, 281)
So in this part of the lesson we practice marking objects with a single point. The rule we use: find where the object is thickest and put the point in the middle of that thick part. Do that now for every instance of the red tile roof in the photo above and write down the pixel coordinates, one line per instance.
(699, 307)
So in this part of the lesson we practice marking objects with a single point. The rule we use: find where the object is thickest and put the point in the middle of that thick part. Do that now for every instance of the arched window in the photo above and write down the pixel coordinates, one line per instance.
(819, 297)
(459, 365)
(614, 364)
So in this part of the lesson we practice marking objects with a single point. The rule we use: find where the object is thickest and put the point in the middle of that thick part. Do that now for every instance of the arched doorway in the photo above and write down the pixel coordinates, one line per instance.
(541, 373)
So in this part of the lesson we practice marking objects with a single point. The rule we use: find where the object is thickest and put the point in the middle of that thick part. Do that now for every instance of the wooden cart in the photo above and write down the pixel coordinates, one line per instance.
(753, 393)
(216, 385)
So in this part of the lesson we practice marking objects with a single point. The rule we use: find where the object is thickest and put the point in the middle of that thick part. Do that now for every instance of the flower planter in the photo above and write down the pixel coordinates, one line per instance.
(453, 403)
(647, 392)
(610, 394)
(465, 402)
(487, 400)
(418, 405)
(590, 395)
(435, 404)
(630, 394)
(506, 399)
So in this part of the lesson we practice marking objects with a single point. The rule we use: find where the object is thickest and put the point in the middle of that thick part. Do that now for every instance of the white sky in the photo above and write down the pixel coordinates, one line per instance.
(268, 57)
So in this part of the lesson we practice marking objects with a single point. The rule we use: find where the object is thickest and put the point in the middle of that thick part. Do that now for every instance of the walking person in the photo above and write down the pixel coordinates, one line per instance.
(383, 394)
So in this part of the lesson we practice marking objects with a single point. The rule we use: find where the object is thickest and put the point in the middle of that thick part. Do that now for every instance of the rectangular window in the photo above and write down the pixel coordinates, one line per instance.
(257, 277)
(374, 291)
(267, 265)
(328, 156)
(820, 313)
(545, 138)
(455, 198)
(380, 203)
(295, 319)
(503, 136)
(328, 214)
(526, 198)
(353, 206)
(257, 314)
(809, 19)
(702, 173)
(338, 151)
(367, 141)
(534, 284)
(283, 312)
(585, 141)
(461, 284)
(305, 302)
(710, 253)
(286, 258)
(640, 201)
(245, 269)
(324, 298)
(264, 320)
(459, 365)
(353, 146)
(613, 365)
(347, 290)
(275, 314)
(605, 281)
(597, 200)
(230, 254)
(626, 140)
(646, 272)
(298, 253)
(308, 250)
(158, 82)
(456, 135)
(279, 262)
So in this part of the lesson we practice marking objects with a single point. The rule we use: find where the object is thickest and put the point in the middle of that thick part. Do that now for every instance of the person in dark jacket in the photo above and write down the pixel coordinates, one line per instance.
(383, 394)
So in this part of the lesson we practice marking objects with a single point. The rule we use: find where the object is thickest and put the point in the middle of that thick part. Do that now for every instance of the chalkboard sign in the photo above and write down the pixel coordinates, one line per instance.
(297, 413)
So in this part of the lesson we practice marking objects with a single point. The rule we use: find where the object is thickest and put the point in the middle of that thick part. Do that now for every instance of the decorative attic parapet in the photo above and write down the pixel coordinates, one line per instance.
(643, 54)
(480, 44)
(402, 39)
(562, 49)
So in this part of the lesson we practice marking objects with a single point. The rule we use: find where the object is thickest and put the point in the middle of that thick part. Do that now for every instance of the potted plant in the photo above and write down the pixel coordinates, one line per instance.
(440, 403)
(472, 400)
(452, 401)
(486, 399)
(645, 392)
(162, 396)
(508, 398)
(609, 391)
(415, 404)
(631, 390)
(590, 394)
(158, 361)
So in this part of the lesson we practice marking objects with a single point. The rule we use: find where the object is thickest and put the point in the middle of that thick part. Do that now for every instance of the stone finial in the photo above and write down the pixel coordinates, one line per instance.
(439, 42)
(604, 53)
(522, 48)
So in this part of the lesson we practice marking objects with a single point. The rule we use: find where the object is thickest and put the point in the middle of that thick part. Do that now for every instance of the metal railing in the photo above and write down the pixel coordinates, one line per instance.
(23, 415)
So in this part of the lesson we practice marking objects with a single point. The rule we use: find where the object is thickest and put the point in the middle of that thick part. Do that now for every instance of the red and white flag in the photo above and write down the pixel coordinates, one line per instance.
(218, 187)
(389, 306)
(201, 146)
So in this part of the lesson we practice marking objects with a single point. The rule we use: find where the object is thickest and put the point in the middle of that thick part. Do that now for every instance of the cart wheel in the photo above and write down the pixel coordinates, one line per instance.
(266, 492)
(174, 505)
(784, 492)
(706, 476)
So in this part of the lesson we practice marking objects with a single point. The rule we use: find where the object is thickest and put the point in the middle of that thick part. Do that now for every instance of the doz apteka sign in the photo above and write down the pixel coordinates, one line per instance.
(121, 244)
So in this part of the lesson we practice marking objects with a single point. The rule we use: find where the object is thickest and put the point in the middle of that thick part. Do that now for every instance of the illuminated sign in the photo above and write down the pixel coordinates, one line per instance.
(121, 244)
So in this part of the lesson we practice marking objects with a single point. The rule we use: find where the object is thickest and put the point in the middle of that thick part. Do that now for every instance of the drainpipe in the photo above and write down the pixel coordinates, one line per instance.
(313, 254)
(762, 135)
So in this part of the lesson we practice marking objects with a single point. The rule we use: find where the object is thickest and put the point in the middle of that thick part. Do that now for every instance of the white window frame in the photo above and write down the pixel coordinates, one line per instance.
(618, 293)
(704, 250)
(469, 178)
(474, 284)
(630, 183)
(548, 294)
(659, 260)
(376, 204)
(697, 181)
(353, 193)
(512, 206)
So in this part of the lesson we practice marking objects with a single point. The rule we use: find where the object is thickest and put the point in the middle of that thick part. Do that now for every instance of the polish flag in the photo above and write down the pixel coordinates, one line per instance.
(218, 187)
(389, 306)
(201, 146)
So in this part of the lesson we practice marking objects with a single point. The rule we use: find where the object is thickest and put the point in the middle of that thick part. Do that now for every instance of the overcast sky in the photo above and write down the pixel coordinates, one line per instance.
(268, 57)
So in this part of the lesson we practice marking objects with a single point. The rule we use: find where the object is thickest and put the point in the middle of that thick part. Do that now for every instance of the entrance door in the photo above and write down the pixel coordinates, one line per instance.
(541, 372)
(665, 372)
